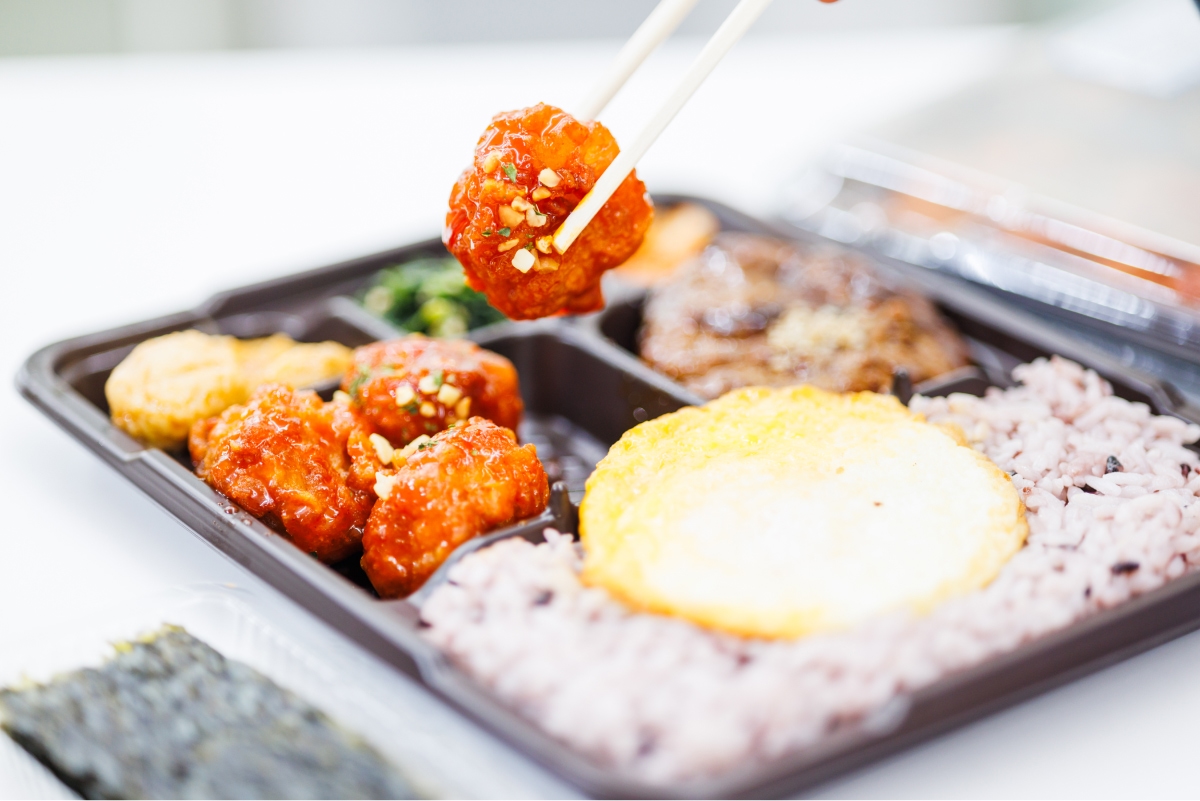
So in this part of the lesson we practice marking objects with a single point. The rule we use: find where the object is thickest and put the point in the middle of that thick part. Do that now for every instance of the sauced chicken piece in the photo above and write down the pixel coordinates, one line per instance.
(286, 456)
(410, 387)
(753, 311)
(531, 169)
(466, 481)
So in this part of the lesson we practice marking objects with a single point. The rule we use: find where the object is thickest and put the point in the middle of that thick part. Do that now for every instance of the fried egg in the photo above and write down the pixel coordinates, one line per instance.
(783, 512)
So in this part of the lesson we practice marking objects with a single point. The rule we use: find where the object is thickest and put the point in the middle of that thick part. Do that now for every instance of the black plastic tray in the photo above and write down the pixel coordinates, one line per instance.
(583, 388)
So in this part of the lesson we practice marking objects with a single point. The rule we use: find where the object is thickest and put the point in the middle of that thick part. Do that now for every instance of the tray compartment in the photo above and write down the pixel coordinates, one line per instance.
(584, 387)
(999, 337)
(564, 385)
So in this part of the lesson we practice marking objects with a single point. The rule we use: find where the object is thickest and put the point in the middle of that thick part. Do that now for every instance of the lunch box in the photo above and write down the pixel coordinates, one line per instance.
(583, 386)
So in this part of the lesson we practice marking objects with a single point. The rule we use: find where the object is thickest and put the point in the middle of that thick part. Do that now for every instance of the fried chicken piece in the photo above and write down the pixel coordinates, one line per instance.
(417, 386)
(285, 455)
(531, 169)
(467, 481)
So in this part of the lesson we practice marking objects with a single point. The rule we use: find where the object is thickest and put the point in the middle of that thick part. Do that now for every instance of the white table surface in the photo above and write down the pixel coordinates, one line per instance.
(135, 186)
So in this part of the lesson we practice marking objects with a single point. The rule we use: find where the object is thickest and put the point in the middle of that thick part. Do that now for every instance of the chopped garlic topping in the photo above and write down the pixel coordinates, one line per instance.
(427, 385)
(547, 265)
(449, 394)
(549, 177)
(524, 260)
(534, 219)
(545, 244)
(521, 204)
(510, 216)
(541, 193)
(384, 484)
(463, 408)
(404, 395)
(411, 448)
(383, 448)
(509, 245)
(341, 397)
(491, 162)
(428, 409)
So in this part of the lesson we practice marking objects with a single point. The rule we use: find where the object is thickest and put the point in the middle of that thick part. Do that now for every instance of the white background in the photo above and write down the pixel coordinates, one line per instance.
(135, 186)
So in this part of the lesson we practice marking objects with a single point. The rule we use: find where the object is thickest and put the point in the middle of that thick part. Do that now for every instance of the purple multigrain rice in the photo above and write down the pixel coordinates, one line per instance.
(661, 699)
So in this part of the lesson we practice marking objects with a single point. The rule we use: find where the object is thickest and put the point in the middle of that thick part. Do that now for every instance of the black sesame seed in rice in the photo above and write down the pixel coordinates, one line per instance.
(1124, 567)
(1113, 465)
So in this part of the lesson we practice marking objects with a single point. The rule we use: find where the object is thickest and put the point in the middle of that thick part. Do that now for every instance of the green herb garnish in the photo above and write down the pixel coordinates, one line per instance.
(430, 296)
(505, 231)
(365, 375)
(436, 375)
(510, 171)
(487, 231)
(361, 377)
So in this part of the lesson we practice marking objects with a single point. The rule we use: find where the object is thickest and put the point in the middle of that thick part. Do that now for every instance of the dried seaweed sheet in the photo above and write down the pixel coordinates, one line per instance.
(169, 717)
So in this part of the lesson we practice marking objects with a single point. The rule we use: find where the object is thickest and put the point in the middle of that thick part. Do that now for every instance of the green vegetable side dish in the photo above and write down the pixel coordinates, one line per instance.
(429, 296)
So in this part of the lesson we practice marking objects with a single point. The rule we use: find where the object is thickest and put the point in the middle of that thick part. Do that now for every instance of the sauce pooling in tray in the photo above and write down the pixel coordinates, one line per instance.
(532, 168)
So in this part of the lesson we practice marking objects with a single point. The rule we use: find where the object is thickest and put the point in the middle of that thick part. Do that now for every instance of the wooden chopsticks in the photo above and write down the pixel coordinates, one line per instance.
(663, 20)
(731, 30)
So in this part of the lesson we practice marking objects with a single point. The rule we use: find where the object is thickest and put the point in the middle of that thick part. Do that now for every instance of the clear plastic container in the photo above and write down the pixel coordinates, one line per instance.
(439, 752)
(1124, 283)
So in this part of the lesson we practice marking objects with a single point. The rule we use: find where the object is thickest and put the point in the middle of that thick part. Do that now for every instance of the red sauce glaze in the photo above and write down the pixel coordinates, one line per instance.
(383, 374)
(283, 455)
(472, 479)
(511, 154)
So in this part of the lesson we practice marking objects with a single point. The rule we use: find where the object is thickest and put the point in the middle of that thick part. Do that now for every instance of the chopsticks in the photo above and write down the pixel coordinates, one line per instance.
(663, 20)
(731, 30)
